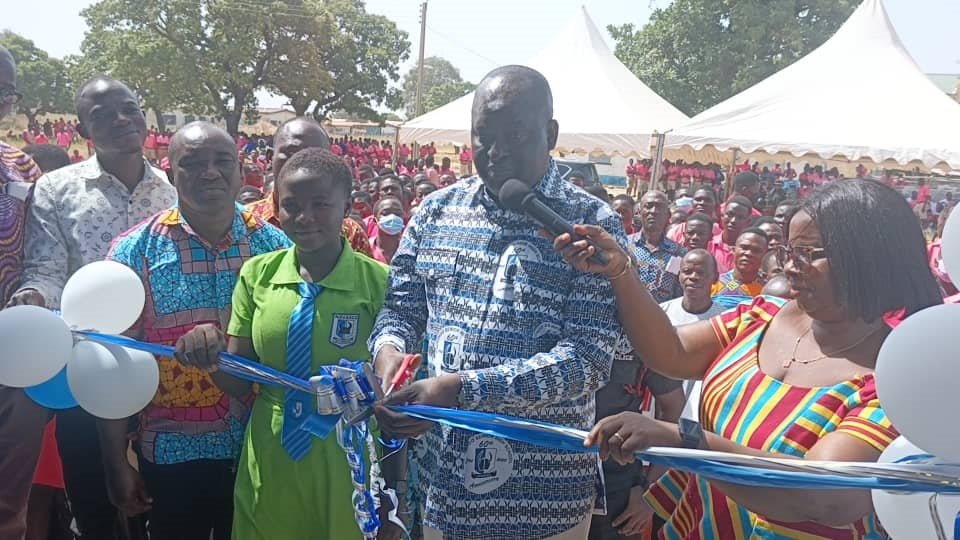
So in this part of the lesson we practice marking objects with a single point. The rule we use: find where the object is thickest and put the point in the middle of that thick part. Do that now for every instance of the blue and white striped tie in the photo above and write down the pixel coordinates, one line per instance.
(297, 405)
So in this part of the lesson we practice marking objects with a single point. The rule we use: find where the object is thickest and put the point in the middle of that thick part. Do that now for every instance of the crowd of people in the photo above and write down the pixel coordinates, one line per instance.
(297, 250)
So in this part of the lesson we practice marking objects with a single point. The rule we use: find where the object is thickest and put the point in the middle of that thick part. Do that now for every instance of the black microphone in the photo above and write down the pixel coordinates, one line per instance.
(515, 195)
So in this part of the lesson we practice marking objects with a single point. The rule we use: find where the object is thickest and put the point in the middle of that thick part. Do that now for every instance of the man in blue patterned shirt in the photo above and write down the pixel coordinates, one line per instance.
(511, 329)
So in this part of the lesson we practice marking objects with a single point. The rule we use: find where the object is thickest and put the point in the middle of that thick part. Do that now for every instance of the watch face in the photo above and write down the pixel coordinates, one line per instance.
(691, 433)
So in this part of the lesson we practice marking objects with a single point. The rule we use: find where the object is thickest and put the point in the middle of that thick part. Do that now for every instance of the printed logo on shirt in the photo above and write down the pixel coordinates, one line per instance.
(511, 261)
(488, 464)
(343, 331)
(447, 356)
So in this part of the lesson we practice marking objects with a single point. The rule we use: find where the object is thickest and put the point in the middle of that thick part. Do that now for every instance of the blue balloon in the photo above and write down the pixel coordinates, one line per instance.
(53, 394)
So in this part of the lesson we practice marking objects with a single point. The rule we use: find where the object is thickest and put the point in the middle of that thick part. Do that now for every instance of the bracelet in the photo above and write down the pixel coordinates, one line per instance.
(626, 268)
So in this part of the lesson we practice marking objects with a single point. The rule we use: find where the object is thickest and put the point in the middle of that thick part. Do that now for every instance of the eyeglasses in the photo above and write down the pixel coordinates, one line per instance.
(802, 256)
(10, 96)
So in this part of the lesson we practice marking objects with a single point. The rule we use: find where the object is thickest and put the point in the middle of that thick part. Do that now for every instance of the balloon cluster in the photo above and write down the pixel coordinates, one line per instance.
(59, 371)
(917, 376)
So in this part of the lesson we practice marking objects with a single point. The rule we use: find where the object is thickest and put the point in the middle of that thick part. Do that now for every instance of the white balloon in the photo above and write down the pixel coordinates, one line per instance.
(906, 516)
(917, 374)
(105, 296)
(110, 381)
(950, 244)
(35, 344)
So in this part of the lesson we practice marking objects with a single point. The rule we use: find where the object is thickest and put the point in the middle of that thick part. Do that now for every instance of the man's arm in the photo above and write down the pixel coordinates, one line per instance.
(403, 318)
(578, 364)
(45, 247)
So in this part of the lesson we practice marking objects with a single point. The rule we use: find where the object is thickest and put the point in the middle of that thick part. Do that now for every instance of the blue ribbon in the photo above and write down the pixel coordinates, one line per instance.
(351, 438)
(553, 436)
(544, 434)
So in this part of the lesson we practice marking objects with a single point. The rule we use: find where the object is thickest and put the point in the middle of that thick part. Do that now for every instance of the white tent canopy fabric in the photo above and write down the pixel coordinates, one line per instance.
(599, 104)
(859, 96)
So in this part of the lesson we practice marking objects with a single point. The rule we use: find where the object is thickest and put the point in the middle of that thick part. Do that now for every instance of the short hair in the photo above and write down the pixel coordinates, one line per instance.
(741, 200)
(527, 80)
(763, 220)
(380, 203)
(700, 216)
(49, 157)
(312, 122)
(251, 189)
(700, 252)
(875, 247)
(756, 231)
(745, 179)
(625, 198)
(361, 195)
(597, 191)
(100, 77)
(321, 162)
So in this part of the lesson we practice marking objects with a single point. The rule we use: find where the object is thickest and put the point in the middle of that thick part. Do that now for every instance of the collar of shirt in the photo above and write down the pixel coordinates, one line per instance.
(343, 276)
(91, 170)
(549, 187)
(665, 244)
(243, 223)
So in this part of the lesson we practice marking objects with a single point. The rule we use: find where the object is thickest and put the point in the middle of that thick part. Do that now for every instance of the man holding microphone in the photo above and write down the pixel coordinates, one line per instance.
(511, 328)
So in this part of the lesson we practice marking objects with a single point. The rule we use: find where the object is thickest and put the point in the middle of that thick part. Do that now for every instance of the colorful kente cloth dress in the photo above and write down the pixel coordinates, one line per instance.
(744, 405)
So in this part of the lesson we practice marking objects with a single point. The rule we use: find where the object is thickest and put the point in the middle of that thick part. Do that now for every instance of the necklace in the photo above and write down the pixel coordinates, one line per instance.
(793, 358)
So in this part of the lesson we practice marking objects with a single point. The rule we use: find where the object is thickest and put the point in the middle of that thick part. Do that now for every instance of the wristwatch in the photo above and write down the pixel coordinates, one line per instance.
(691, 434)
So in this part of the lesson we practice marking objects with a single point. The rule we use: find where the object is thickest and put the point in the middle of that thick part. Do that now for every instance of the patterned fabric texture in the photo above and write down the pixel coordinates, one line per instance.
(15, 166)
(744, 405)
(728, 285)
(75, 214)
(529, 336)
(266, 209)
(189, 282)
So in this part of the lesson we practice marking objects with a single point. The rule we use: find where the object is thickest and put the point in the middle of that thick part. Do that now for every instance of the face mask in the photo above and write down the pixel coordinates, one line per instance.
(391, 224)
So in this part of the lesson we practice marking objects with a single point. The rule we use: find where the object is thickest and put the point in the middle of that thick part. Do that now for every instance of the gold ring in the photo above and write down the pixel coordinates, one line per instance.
(619, 437)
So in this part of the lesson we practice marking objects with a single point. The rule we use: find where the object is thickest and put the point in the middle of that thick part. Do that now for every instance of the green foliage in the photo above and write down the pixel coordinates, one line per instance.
(696, 53)
(441, 84)
(43, 80)
(440, 95)
(211, 56)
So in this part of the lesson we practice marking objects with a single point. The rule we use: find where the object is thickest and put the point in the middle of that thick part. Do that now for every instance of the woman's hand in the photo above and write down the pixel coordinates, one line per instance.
(578, 253)
(620, 435)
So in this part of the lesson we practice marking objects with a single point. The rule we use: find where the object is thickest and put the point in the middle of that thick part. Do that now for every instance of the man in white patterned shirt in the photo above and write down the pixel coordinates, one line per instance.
(74, 215)
(511, 329)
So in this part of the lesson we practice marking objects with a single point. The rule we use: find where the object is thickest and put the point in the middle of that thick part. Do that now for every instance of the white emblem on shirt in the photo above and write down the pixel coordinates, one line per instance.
(511, 262)
(488, 464)
(447, 354)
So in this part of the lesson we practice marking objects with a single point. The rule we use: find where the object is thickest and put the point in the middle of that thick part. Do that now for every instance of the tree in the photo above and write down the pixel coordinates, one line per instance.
(141, 63)
(340, 58)
(696, 53)
(213, 55)
(437, 72)
(41, 79)
(440, 95)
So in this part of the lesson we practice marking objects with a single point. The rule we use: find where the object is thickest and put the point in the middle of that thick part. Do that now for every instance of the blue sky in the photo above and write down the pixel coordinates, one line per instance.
(479, 35)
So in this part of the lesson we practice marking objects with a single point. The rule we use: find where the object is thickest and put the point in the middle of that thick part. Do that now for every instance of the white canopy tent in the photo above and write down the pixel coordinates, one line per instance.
(858, 97)
(599, 104)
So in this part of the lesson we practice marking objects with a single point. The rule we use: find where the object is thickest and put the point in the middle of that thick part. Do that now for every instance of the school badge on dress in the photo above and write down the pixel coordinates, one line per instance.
(343, 331)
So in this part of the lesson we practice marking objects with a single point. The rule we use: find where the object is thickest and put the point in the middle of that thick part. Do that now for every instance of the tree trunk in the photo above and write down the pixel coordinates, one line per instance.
(158, 116)
(300, 107)
(31, 116)
(232, 120)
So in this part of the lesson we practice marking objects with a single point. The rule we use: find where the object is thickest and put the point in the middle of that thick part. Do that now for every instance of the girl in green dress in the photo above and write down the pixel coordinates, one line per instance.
(281, 494)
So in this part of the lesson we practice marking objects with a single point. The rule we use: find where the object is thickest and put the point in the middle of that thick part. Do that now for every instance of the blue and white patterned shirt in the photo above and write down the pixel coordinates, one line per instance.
(529, 335)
